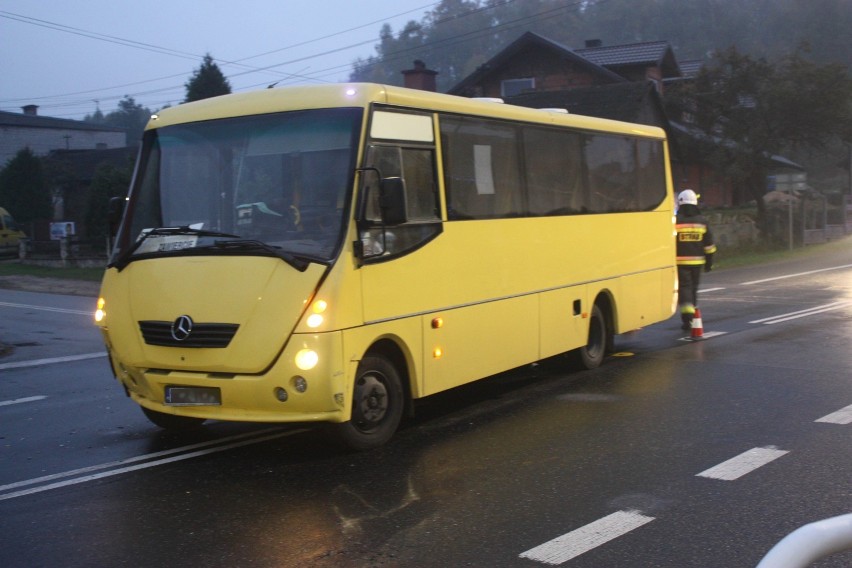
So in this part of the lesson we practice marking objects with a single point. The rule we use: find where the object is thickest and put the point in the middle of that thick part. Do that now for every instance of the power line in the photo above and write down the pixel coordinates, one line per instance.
(474, 34)
(168, 51)
(317, 76)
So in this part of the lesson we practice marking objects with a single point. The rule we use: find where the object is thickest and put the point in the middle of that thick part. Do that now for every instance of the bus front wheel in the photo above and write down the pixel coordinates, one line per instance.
(591, 355)
(377, 403)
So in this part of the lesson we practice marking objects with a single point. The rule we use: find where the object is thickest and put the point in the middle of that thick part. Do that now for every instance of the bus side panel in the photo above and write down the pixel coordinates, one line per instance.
(471, 262)
(640, 299)
(478, 341)
(562, 324)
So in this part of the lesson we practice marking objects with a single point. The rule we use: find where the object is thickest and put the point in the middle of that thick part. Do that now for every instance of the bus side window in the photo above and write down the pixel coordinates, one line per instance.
(554, 172)
(416, 167)
(481, 169)
(612, 173)
(651, 171)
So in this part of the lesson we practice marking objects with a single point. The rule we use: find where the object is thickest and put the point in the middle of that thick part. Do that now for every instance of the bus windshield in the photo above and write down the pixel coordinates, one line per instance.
(269, 185)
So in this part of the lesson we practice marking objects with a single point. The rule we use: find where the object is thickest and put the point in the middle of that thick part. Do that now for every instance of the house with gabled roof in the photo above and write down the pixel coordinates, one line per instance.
(617, 82)
(43, 134)
(652, 61)
(534, 63)
(71, 150)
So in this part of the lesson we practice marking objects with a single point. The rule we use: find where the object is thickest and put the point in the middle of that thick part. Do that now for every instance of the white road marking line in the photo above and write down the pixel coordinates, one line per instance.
(742, 464)
(796, 274)
(235, 442)
(49, 309)
(801, 313)
(22, 400)
(570, 545)
(144, 457)
(842, 416)
(707, 335)
(50, 361)
(711, 290)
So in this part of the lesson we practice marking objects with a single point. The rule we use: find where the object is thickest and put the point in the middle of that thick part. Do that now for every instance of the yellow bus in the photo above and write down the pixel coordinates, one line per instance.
(332, 253)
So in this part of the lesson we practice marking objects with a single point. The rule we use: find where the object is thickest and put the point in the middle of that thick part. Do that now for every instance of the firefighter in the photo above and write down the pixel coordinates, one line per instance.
(695, 248)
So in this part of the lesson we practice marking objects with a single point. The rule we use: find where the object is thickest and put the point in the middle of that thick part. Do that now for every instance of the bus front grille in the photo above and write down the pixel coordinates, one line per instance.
(209, 335)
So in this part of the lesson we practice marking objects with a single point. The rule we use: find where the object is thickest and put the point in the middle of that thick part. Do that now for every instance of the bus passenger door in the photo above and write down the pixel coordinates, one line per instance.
(393, 273)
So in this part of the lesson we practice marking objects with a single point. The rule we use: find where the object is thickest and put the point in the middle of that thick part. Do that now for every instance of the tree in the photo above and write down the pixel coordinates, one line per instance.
(206, 81)
(457, 36)
(453, 39)
(96, 117)
(131, 116)
(23, 189)
(755, 109)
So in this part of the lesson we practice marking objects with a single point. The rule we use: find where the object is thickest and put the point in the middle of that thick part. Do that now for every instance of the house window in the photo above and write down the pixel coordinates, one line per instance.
(512, 87)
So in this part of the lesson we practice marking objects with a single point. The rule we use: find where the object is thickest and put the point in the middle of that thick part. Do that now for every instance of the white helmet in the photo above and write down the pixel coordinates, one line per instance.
(687, 197)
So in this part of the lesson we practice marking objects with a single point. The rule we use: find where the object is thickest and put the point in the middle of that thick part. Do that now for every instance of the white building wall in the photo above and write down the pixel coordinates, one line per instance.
(42, 140)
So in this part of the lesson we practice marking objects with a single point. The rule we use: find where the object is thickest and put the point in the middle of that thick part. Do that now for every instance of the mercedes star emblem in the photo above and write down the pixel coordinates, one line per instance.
(181, 328)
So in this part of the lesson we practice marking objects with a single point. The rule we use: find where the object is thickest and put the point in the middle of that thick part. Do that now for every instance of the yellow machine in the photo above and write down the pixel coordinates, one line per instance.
(330, 253)
(10, 234)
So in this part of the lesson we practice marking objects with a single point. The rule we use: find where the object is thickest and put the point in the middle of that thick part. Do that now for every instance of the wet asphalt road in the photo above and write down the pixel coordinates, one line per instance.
(485, 475)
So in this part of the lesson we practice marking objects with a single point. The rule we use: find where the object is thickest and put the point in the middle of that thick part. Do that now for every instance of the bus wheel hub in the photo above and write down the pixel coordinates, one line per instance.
(372, 398)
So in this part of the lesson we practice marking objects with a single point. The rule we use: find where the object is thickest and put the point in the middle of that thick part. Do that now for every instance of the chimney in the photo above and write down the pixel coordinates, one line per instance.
(30, 110)
(420, 77)
(593, 43)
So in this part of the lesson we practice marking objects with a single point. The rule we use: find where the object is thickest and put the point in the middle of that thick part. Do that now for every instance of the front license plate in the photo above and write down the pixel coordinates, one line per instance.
(193, 396)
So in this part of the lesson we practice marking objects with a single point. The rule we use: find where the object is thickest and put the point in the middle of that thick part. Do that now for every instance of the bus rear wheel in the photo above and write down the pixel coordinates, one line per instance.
(377, 404)
(591, 355)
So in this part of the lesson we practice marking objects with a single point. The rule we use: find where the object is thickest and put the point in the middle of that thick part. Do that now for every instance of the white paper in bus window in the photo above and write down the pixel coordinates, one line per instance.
(399, 126)
(482, 165)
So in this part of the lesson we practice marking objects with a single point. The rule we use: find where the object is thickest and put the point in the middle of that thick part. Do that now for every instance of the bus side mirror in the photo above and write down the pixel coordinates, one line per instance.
(392, 201)
(114, 212)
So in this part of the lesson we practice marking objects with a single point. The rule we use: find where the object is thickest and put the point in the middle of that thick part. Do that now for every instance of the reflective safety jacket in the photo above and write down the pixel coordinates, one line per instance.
(695, 245)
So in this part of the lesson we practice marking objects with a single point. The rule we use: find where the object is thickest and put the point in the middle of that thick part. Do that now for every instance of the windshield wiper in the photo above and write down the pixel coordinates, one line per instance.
(299, 263)
(125, 258)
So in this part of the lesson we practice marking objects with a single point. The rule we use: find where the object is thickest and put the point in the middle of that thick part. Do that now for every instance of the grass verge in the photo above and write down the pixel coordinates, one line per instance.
(15, 268)
(754, 254)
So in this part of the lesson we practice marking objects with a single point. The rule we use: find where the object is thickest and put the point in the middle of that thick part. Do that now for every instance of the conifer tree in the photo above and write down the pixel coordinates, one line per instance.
(206, 81)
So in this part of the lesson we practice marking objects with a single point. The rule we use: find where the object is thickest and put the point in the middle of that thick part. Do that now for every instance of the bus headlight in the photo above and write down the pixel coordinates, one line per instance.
(307, 359)
(100, 313)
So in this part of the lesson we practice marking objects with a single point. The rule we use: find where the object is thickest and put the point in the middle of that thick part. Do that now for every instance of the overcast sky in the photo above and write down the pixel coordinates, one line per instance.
(64, 55)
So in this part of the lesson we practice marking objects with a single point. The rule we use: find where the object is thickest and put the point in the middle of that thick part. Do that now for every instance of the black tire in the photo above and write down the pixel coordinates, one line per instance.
(172, 422)
(592, 354)
(377, 404)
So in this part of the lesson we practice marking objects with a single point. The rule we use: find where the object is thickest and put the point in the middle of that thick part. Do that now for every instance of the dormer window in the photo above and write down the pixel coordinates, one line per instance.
(512, 87)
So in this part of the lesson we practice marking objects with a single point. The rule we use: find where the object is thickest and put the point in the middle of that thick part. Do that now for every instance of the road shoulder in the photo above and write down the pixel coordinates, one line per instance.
(50, 285)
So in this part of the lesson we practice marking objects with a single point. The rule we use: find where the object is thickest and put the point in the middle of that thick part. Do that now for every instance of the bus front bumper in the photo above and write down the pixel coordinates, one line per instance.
(283, 393)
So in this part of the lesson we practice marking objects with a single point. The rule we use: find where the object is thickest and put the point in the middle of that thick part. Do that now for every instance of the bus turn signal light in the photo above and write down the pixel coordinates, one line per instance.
(100, 314)
(316, 318)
